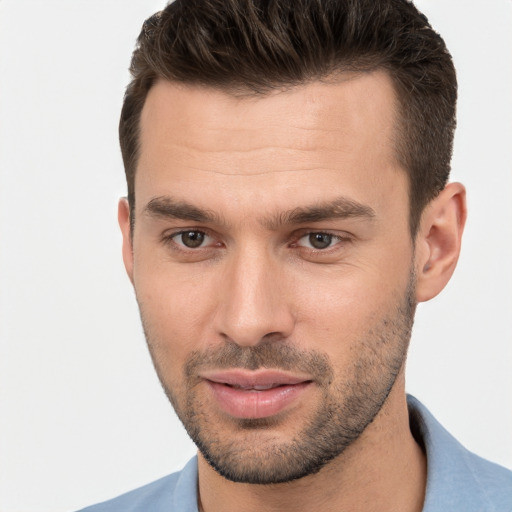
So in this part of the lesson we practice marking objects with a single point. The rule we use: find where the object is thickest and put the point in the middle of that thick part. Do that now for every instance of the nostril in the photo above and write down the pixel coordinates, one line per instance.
(274, 336)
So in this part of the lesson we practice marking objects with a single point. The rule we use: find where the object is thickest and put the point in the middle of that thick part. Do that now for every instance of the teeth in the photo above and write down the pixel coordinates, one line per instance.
(255, 388)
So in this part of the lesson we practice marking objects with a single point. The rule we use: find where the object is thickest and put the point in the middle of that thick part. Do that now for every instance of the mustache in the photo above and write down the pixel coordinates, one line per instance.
(266, 354)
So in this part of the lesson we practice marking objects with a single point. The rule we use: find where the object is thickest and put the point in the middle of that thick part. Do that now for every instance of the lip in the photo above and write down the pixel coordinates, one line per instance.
(251, 395)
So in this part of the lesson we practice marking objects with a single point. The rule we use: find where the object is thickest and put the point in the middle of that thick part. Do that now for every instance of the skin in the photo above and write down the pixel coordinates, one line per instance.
(249, 162)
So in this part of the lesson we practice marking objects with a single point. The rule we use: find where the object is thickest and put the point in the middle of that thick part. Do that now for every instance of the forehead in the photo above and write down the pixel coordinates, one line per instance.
(357, 106)
(198, 140)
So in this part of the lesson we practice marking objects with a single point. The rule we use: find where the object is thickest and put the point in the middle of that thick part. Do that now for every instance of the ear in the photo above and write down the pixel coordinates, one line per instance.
(438, 241)
(123, 217)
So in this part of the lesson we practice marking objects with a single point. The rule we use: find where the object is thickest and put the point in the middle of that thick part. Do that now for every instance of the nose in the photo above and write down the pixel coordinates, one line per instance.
(252, 303)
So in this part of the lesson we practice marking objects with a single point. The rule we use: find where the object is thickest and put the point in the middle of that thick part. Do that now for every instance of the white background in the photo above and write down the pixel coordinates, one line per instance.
(82, 416)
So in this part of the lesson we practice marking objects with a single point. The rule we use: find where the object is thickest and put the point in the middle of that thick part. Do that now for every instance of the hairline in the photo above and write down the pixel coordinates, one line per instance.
(243, 91)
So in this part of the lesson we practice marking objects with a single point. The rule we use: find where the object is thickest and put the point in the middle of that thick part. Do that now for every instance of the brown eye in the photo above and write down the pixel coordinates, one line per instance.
(320, 240)
(191, 239)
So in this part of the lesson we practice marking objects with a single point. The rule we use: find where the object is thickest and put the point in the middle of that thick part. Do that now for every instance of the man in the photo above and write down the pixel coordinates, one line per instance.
(288, 207)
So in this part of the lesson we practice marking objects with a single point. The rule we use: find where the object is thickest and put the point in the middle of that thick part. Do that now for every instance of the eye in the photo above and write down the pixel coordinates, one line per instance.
(191, 239)
(318, 240)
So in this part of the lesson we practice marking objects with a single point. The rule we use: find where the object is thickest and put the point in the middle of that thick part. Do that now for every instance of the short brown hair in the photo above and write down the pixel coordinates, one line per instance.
(262, 45)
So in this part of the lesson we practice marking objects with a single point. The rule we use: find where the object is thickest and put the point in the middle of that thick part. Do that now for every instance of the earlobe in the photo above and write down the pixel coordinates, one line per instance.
(438, 241)
(123, 217)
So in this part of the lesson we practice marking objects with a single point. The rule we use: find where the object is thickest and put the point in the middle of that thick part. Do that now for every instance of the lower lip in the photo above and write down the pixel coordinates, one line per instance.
(252, 404)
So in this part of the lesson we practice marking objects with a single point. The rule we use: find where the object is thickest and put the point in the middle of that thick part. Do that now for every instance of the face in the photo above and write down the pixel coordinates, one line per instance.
(271, 260)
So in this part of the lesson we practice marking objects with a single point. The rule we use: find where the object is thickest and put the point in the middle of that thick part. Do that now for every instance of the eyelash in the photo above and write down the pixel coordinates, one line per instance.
(336, 238)
(170, 239)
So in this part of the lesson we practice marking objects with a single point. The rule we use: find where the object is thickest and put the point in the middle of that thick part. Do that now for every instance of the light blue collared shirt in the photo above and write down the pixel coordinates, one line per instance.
(457, 480)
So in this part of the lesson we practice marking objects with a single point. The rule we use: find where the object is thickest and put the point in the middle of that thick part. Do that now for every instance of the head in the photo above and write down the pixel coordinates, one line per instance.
(256, 47)
(286, 170)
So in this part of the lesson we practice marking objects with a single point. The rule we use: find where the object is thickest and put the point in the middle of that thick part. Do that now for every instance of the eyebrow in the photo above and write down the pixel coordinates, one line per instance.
(166, 207)
(339, 208)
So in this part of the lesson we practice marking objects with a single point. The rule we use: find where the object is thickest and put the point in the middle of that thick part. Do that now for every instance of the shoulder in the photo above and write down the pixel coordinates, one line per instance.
(457, 479)
(165, 494)
(493, 480)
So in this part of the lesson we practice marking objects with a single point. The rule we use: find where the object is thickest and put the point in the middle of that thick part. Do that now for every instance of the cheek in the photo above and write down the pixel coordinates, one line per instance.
(175, 311)
(340, 309)
(340, 295)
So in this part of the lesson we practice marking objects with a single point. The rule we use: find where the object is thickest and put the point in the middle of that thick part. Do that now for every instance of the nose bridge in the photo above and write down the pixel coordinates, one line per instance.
(253, 303)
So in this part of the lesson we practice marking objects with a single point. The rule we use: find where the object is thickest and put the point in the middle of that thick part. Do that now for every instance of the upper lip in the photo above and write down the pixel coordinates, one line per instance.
(254, 379)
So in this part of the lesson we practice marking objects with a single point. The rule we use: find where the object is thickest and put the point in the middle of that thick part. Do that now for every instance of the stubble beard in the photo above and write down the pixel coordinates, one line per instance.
(249, 453)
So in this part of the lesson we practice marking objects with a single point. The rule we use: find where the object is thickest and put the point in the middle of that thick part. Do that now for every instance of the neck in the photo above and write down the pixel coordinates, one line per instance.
(384, 470)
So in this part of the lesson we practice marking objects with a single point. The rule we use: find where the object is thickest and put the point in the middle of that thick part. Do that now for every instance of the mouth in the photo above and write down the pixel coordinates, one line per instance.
(260, 394)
